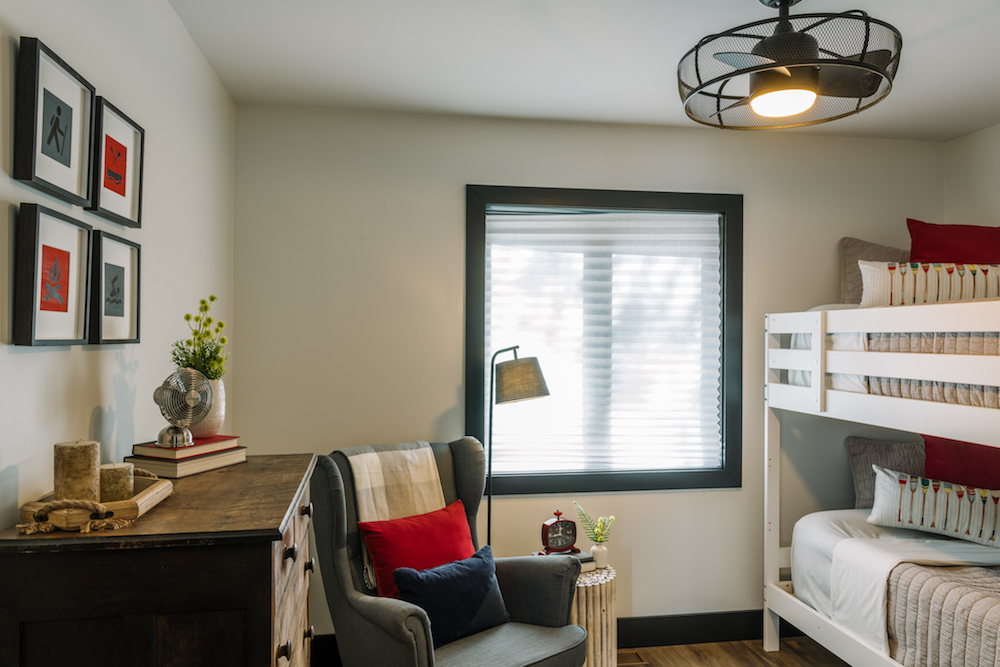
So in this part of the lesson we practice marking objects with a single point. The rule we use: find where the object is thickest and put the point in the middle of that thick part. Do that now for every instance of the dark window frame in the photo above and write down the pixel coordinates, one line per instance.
(730, 209)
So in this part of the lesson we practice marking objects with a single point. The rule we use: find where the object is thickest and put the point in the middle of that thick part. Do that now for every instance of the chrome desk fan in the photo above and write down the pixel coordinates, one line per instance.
(184, 398)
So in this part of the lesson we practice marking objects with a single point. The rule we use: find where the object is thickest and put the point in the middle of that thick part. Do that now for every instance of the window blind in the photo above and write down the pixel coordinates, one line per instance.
(624, 312)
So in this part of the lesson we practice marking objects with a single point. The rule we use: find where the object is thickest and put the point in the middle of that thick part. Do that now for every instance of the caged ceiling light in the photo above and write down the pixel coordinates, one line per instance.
(789, 71)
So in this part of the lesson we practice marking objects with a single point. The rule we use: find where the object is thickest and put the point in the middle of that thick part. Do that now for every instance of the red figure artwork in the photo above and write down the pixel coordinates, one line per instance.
(114, 165)
(55, 280)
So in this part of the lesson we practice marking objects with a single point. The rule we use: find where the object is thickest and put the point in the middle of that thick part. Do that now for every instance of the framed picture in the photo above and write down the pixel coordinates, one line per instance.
(53, 125)
(51, 278)
(114, 290)
(117, 172)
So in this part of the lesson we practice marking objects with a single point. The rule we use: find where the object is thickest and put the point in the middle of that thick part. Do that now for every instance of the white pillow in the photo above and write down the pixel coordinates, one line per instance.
(933, 506)
(902, 283)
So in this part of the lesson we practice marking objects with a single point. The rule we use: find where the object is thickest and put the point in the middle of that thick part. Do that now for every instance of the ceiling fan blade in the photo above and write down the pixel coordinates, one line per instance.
(839, 81)
(742, 60)
(742, 103)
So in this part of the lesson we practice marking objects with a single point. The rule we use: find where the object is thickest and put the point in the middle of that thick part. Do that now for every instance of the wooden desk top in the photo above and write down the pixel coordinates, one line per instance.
(244, 502)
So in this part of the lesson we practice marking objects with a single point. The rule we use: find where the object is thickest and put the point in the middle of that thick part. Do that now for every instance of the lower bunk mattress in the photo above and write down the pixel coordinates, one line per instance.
(943, 609)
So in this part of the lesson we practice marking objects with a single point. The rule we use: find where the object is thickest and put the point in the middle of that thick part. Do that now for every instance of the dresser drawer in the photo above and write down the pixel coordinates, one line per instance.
(292, 565)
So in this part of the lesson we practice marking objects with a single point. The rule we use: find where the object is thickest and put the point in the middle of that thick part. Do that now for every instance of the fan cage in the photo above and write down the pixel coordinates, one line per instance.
(172, 397)
(710, 88)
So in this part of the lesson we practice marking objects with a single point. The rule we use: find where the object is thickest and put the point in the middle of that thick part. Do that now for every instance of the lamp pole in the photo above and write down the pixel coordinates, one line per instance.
(514, 380)
(489, 449)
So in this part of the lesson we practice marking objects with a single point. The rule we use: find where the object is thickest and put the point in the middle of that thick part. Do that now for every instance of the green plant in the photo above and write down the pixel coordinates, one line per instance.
(597, 531)
(205, 350)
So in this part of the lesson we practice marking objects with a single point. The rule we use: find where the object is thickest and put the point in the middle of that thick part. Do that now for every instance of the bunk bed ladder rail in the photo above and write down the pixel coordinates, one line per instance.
(813, 360)
(779, 600)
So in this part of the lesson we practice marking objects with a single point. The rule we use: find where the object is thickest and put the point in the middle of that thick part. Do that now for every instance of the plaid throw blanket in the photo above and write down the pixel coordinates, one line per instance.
(392, 482)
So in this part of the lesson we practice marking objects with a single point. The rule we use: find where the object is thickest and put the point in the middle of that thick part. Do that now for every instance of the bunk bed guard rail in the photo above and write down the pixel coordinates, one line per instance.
(960, 422)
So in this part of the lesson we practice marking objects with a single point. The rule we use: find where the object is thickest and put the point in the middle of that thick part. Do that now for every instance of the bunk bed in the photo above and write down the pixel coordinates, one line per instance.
(805, 380)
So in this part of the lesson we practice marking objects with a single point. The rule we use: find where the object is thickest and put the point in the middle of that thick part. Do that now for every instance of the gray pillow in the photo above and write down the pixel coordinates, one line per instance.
(851, 250)
(907, 457)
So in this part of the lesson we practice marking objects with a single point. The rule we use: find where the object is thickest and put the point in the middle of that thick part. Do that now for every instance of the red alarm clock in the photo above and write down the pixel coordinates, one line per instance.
(559, 536)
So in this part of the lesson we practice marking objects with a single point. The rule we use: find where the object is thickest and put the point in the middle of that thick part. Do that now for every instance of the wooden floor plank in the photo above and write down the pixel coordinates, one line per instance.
(795, 652)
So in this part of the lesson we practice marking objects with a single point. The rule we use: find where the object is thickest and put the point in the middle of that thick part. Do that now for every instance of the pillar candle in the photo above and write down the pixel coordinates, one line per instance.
(117, 482)
(77, 466)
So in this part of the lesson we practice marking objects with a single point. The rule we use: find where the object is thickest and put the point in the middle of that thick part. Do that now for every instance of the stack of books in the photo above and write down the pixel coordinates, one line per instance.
(205, 454)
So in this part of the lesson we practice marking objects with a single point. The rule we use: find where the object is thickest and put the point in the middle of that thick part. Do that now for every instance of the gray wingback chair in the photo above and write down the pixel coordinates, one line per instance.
(387, 632)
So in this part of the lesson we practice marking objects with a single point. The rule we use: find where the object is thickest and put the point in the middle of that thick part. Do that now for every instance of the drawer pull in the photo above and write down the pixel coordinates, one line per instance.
(309, 633)
(311, 565)
(306, 510)
(292, 552)
(284, 651)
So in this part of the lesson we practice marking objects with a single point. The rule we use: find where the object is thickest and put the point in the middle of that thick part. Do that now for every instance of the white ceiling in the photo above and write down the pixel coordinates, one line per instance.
(588, 60)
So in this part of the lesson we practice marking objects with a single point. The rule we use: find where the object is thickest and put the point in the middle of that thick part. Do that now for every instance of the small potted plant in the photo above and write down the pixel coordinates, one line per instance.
(597, 532)
(205, 352)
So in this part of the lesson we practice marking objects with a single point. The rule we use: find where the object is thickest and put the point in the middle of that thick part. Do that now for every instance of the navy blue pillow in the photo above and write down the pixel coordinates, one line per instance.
(461, 598)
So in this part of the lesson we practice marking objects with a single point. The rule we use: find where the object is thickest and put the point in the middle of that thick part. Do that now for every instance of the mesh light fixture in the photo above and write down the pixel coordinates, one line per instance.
(789, 71)
(515, 380)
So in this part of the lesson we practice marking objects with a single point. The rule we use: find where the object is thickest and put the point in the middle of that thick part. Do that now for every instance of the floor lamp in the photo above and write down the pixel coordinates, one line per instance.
(515, 380)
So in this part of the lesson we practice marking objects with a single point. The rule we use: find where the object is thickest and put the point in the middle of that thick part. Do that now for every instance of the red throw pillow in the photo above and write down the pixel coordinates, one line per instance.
(419, 542)
(962, 462)
(962, 244)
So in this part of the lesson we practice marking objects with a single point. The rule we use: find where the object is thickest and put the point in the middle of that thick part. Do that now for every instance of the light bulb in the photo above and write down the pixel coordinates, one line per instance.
(779, 103)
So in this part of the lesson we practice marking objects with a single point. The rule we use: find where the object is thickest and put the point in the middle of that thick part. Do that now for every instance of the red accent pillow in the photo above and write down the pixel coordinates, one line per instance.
(962, 462)
(419, 542)
(964, 244)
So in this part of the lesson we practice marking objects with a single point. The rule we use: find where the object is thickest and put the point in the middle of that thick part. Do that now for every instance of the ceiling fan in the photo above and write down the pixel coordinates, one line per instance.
(789, 71)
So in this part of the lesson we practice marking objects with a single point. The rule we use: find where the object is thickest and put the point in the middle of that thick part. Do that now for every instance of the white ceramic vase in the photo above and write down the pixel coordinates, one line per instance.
(212, 422)
(600, 554)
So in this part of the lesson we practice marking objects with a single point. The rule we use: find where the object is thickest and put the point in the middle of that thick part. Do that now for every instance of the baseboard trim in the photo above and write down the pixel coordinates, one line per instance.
(324, 651)
(640, 631)
(728, 626)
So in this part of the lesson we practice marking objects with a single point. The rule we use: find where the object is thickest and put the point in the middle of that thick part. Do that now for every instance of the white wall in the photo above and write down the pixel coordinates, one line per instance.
(349, 288)
(973, 172)
(139, 56)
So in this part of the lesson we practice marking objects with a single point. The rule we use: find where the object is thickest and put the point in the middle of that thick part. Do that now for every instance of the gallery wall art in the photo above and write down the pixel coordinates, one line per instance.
(51, 278)
(117, 172)
(114, 296)
(53, 128)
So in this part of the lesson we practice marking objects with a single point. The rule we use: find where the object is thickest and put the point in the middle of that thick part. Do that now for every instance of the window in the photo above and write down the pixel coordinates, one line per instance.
(632, 302)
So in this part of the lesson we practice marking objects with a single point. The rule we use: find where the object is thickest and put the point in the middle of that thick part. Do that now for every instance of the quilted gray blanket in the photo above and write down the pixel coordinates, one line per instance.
(944, 616)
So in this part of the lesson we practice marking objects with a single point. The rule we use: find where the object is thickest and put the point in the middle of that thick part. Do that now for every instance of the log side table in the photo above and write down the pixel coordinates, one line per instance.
(594, 609)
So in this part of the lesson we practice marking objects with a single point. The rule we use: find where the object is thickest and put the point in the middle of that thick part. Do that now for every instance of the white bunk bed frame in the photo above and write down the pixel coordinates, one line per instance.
(958, 422)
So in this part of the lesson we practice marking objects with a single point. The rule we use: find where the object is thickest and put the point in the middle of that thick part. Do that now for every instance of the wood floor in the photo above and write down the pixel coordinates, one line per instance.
(795, 652)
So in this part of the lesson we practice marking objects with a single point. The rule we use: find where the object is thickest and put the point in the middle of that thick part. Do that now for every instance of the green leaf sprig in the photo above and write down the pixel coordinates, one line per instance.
(205, 350)
(598, 531)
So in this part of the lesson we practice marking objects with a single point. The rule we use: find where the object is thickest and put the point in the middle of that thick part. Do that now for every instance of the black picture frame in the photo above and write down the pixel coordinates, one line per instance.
(114, 290)
(52, 270)
(53, 102)
(116, 192)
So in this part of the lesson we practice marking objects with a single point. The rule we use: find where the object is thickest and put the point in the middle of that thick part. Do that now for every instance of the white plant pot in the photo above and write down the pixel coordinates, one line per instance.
(212, 422)
(600, 554)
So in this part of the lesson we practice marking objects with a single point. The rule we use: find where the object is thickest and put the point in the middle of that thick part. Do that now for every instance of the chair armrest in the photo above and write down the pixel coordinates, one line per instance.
(407, 626)
(538, 589)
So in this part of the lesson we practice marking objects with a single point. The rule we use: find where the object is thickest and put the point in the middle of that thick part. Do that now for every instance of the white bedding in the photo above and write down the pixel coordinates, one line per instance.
(841, 563)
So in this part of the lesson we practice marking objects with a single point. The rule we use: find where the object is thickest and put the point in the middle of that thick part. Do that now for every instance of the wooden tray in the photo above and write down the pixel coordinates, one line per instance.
(148, 493)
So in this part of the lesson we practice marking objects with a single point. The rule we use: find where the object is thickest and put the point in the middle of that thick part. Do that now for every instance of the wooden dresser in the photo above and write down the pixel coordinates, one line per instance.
(217, 574)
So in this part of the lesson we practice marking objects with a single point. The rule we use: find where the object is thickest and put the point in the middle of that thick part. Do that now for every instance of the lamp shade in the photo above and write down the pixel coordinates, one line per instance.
(520, 379)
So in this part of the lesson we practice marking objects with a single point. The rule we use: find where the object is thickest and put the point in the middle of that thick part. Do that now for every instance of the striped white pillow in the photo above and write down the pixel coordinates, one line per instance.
(933, 506)
(903, 283)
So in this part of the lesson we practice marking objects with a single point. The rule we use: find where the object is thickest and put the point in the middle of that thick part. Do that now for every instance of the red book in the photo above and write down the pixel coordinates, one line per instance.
(215, 443)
